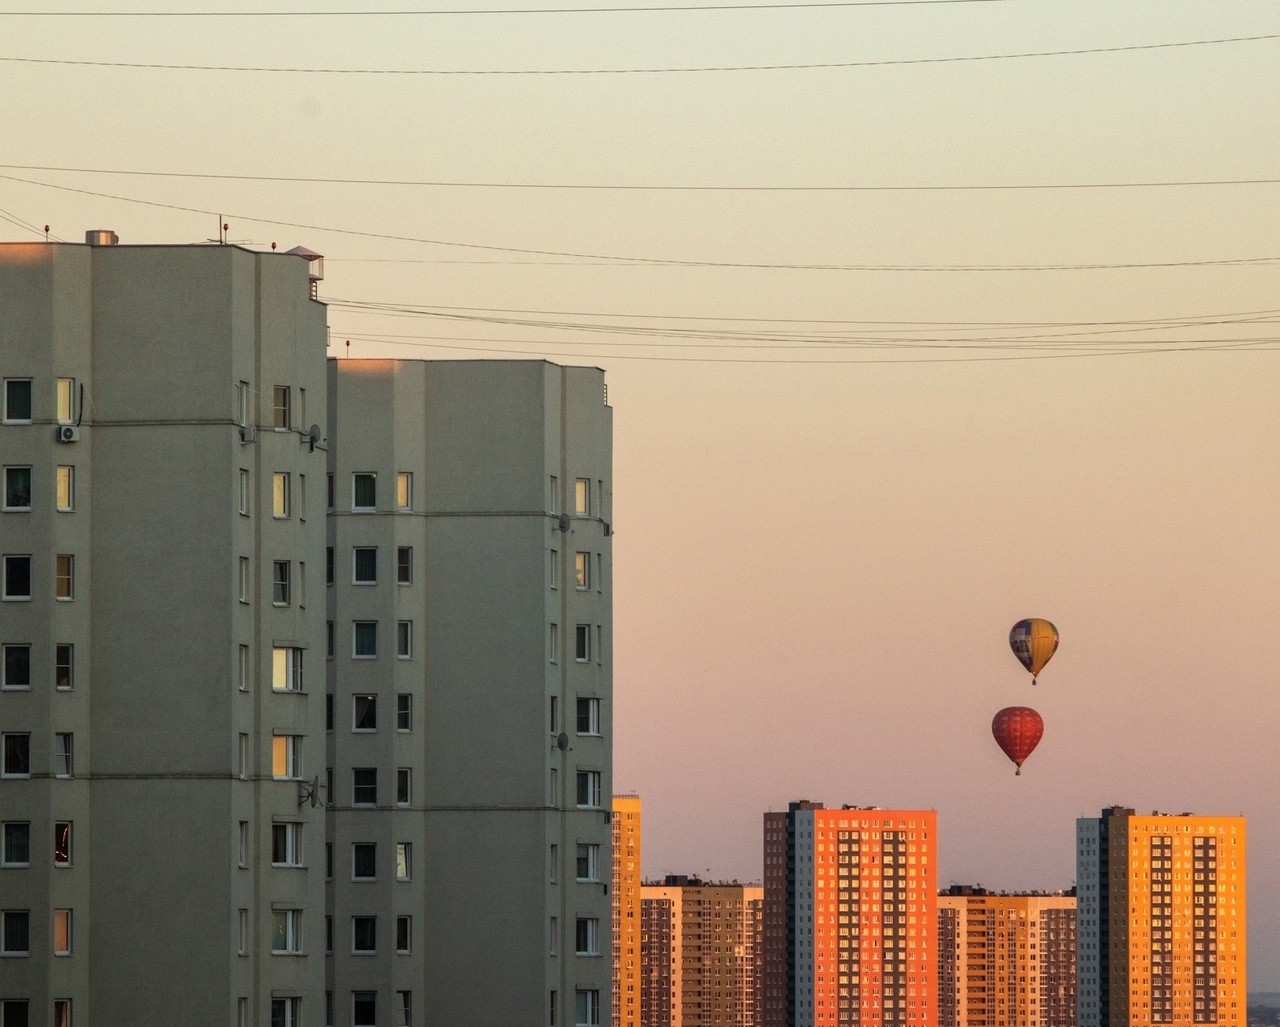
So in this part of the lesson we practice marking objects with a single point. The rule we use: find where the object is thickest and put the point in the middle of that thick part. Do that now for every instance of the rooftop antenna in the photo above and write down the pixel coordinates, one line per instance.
(348, 348)
(46, 233)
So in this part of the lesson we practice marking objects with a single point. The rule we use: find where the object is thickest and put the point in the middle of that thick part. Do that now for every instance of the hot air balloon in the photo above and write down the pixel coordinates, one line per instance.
(1033, 641)
(1017, 730)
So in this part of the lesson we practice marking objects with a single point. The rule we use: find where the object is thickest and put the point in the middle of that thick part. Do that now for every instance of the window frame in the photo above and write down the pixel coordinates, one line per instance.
(281, 407)
(404, 786)
(404, 565)
(287, 667)
(582, 570)
(64, 577)
(64, 658)
(280, 496)
(404, 491)
(286, 751)
(364, 551)
(582, 497)
(586, 1012)
(591, 704)
(286, 843)
(11, 833)
(369, 787)
(594, 794)
(360, 853)
(404, 712)
(582, 643)
(366, 703)
(369, 923)
(63, 755)
(62, 932)
(246, 492)
(19, 685)
(371, 629)
(404, 935)
(357, 478)
(9, 387)
(12, 472)
(15, 560)
(64, 475)
(61, 859)
(590, 853)
(404, 640)
(290, 938)
(404, 861)
(586, 936)
(64, 388)
(364, 1008)
(281, 583)
(13, 741)
(22, 916)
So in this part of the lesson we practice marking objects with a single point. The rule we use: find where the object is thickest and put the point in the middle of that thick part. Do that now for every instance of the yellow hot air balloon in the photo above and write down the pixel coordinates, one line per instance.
(1033, 641)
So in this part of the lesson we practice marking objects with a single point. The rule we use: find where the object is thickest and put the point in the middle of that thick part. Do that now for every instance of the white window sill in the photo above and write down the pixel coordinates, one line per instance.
(15, 599)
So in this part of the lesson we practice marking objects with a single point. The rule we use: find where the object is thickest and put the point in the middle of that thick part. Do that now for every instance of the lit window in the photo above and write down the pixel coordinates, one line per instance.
(280, 414)
(17, 400)
(15, 846)
(15, 669)
(286, 757)
(588, 866)
(280, 582)
(582, 643)
(365, 639)
(364, 492)
(17, 578)
(62, 1012)
(582, 499)
(404, 786)
(589, 789)
(66, 397)
(404, 711)
(286, 845)
(17, 488)
(364, 713)
(365, 570)
(364, 935)
(364, 786)
(587, 1008)
(66, 488)
(587, 936)
(280, 495)
(286, 1012)
(286, 935)
(62, 932)
(582, 570)
(404, 565)
(17, 755)
(404, 861)
(62, 754)
(15, 932)
(404, 491)
(65, 578)
(286, 669)
(404, 934)
(404, 639)
(588, 716)
(364, 1009)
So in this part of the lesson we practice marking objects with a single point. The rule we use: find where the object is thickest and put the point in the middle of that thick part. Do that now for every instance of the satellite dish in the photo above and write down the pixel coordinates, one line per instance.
(562, 741)
(564, 522)
(313, 436)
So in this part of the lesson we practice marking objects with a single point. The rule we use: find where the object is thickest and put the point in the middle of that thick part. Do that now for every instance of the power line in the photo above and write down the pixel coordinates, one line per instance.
(456, 12)
(656, 261)
(827, 65)
(622, 187)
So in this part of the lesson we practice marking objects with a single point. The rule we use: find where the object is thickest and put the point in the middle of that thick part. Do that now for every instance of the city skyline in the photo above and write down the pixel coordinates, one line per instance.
(817, 564)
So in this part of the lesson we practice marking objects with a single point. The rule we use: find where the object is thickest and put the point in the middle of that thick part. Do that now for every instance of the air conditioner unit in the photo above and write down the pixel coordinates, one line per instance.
(68, 433)
(248, 435)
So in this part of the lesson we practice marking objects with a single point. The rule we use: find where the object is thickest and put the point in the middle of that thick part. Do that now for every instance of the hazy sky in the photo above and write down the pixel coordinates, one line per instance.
(817, 563)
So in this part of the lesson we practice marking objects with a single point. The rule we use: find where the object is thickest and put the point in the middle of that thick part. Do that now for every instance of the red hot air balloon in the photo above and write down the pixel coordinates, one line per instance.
(1017, 730)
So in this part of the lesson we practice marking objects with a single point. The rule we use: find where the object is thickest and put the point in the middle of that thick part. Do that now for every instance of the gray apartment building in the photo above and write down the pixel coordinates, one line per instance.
(193, 829)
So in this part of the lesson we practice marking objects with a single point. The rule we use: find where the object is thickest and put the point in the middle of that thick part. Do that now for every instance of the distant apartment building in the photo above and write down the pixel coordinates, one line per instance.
(626, 910)
(1161, 929)
(850, 917)
(700, 953)
(1006, 959)
(195, 540)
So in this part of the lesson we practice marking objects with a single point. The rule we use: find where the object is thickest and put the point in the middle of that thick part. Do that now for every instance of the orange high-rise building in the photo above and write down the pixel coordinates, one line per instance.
(850, 915)
(626, 911)
(1006, 960)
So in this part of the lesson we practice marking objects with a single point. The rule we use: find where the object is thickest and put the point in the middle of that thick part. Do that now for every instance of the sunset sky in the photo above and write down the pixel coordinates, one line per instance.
(835, 488)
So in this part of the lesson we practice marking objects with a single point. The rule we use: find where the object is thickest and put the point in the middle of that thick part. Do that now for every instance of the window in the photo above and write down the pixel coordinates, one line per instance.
(65, 404)
(65, 581)
(242, 672)
(587, 936)
(587, 1008)
(280, 412)
(14, 1013)
(364, 935)
(328, 711)
(280, 495)
(404, 861)
(62, 843)
(286, 757)
(364, 786)
(15, 670)
(244, 579)
(364, 492)
(17, 400)
(404, 934)
(404, 491)
(365, 570)
(62, 743)
(404, 639)
(553, 643)
(328, 492)
(553, 503)
(66, 488)
(588, 716)
(302, 497)
(329, 641)
(286, 932)
(286, 845)
(286, 669)
(242, 845)
(364, 713)
(404, 786)
(243, 946)
(404, 711)
(553, 874)
(582, 499)
(364, 1009)
(15, 846)
(404, 1009)
(588, 861)
(328, 566)
(364, 861)
(404, 565)
(555, 714)
(582, 643)
(242, 404)
(17, 488)
(286, 1012)
(62, 1012)
(244, 491)
(582, 570)
(17, 577)
(589, 789)
(62, 932)
(280, 582)
(15, 932)
(17, 755)
(364, 639)
(555, 568)
(244, 756)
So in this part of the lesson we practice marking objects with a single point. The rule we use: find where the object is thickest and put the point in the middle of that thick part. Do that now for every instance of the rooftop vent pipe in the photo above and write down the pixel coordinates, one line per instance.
(101, 237)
